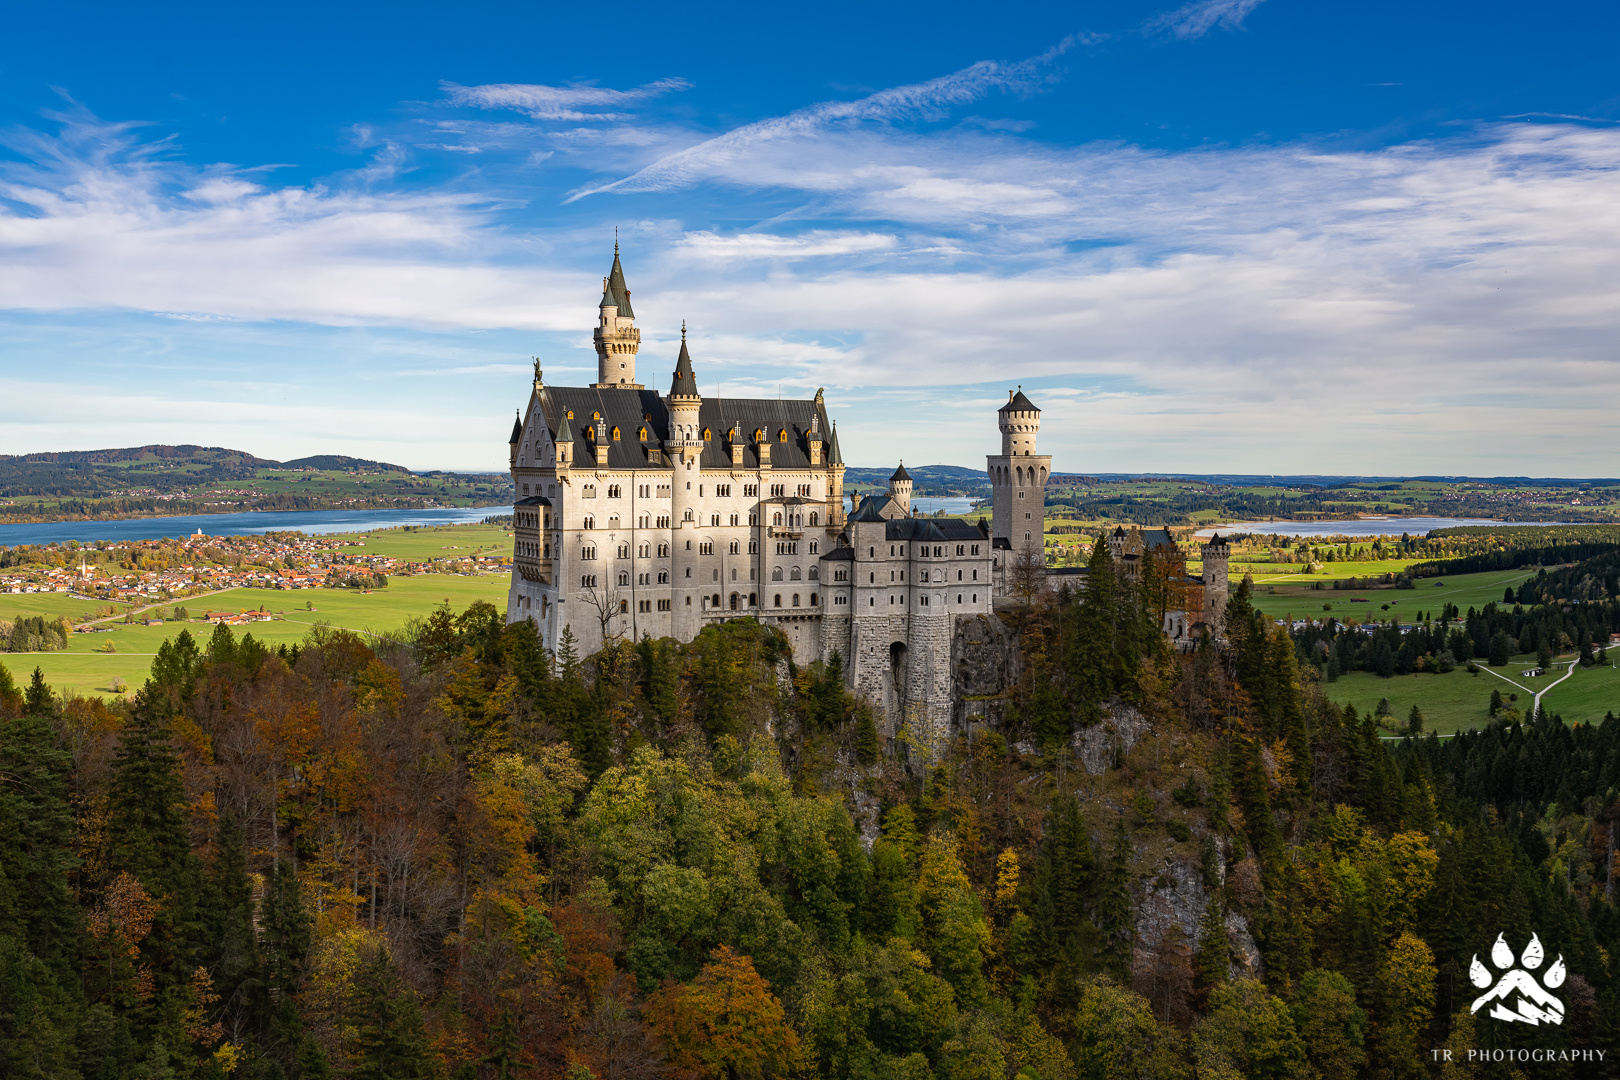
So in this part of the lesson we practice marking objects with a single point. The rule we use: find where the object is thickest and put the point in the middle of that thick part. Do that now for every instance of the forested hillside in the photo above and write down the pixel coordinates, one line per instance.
(442, 856)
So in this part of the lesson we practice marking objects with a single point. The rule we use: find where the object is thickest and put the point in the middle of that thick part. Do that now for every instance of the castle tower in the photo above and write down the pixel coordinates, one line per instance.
(1018, 477)
(685, 450)
(900, 488)
(616, 337)
(1215, 583)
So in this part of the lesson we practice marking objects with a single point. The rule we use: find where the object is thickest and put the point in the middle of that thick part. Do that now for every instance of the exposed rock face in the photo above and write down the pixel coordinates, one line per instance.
(1101, 745)
(1177, 897)
(986, 665)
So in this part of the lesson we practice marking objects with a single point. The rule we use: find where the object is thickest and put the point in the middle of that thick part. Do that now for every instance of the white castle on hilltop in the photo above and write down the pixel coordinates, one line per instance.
(647, 514)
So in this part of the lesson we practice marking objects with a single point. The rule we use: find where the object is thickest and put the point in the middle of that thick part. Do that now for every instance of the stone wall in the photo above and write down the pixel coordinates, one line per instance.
(986, 665)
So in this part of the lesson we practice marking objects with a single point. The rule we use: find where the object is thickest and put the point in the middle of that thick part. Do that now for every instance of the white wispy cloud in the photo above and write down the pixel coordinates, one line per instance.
(577, 102)
(1200, 17)
(918, 101)
(817, 243)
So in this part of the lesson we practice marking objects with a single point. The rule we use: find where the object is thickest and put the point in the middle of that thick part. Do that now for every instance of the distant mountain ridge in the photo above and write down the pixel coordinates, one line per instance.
(192, 453)
(96, 474)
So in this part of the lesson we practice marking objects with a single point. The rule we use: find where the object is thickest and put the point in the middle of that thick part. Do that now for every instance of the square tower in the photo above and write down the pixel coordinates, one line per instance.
(1018, 478)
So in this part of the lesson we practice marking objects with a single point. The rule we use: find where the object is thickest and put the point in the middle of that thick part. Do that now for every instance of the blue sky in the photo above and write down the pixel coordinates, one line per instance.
(1261, 236)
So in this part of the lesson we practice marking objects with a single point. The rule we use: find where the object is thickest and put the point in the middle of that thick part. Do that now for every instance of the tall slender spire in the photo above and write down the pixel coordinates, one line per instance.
(684, 383)
(621, 292)
(616, 338)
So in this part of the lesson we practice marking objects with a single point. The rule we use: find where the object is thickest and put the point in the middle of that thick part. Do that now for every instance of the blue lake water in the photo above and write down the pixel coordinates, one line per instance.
(252, 524)
(1390, 526)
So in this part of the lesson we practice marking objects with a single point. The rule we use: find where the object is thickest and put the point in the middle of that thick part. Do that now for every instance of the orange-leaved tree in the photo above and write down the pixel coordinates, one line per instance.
(725, 1022)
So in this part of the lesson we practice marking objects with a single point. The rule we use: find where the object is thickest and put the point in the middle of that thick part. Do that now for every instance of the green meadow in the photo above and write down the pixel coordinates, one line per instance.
(83, 669)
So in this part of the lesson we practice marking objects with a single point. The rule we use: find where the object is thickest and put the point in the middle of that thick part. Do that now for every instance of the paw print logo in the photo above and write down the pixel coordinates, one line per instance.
(1517, 996)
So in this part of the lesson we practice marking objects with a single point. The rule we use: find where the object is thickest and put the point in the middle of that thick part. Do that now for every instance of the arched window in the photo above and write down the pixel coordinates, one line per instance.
(815, 573)
(707, 435)
(596, 416)
(812, 599)
(624, 578)
(736, 547)
(714, 519)
(794, 574)
(814, 518)
(777, 600)
(781, 436)
(776, 573)
(735, 601)
(615, 433)
(688, 515)
(624, 551)
(590, 522)
(776, 519)
(570, 414)
(759, 434)
(642, 434)
(795, 599)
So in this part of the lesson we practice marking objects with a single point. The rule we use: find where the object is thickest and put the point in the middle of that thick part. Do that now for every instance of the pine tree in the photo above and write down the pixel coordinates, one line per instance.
(866, 735)
(40, 998)
(284, 941)
(38, 699)
(1212, 957)
(389, 1041)
(229, 951)
(1092, 657)
(11, 699)
(147, 831)
(1114, 915)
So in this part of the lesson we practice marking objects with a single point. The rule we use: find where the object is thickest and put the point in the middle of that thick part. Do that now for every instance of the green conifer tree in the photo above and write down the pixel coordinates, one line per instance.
(389, 1042)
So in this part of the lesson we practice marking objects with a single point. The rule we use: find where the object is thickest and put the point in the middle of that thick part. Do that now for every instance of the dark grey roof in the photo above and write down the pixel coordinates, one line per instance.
(1152, 538)
(517, 431)
(835, 456)
(1217, 538)
(533, 500)
(868, 510)
(1002, 544)
(684, 384)
(900, 474)
(840, 553)
(608, 299)
(933, 530)
(621, 294)
(632, 410)
(1018, 403)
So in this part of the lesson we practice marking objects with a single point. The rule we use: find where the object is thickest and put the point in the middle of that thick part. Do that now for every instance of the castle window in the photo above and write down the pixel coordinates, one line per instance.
(588, 552)
(975, 598)
(975, 549)
(736, 546)
(753, 518)
(753, 599)
(814, 519)
(624, 607)
(688, 571)
(872, 579)
(706, 548)
(641, 434)
(688, 517)
(795, 599)
(959, 575)
(714, 519)
(871, 601)
(707, 435)
(815, 546)
(596, 416)
(613, 521)
(959, 550)
(589, 522)
(759, 436)
(815, 573)
(643, 521)
(615, 491)
(776, 519)
(570, 414)
(753, 547)
(588, 581)
(781, 436)
(663, 551)
(794, 573)
(624, 551)
(958, 598)
(665, 605)
(663, 577)
(778, 600)
(588, 491)
(975, 575)
(871, 552)
(688, 601)
(925, 575)
(924, 601)
(750, 491)
(776, 573)
(615, 433)
(734, 519)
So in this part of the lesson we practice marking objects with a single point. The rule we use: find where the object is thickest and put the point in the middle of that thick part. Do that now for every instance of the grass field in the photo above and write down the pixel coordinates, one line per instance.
(1457, 701)
(1431, 594)
(440, 542)
(82, 670)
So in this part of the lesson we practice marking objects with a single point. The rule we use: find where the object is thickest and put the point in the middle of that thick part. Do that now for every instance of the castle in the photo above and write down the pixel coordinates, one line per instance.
(646, 514)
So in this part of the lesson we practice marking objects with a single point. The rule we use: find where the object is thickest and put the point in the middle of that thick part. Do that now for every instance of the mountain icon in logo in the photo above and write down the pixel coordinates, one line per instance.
(1517, 996)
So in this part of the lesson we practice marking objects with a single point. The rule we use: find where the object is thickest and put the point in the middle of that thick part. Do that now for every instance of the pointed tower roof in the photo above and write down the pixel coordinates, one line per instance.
(900, 474)
(621, 294)
(565, 430)
(1017, 402)
(684, 383)
(835, 456)
(517, 430)
(608, 299)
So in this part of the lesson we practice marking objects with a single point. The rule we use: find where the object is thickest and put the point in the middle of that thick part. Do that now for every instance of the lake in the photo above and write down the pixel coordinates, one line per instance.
(1391, 526)
(251, 524)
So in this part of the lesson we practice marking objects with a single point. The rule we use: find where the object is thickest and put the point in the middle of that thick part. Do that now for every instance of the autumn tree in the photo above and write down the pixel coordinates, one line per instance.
(726, 1023)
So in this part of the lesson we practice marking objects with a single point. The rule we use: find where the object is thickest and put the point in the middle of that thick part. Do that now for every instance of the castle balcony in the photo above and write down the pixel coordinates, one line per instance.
(785, 532)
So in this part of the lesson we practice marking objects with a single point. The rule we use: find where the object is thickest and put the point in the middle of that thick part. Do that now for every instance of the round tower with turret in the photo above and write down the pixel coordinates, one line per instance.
(1215, 583)
(616, 338)
(685, 451)
(900, 489)
(1018, 478)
